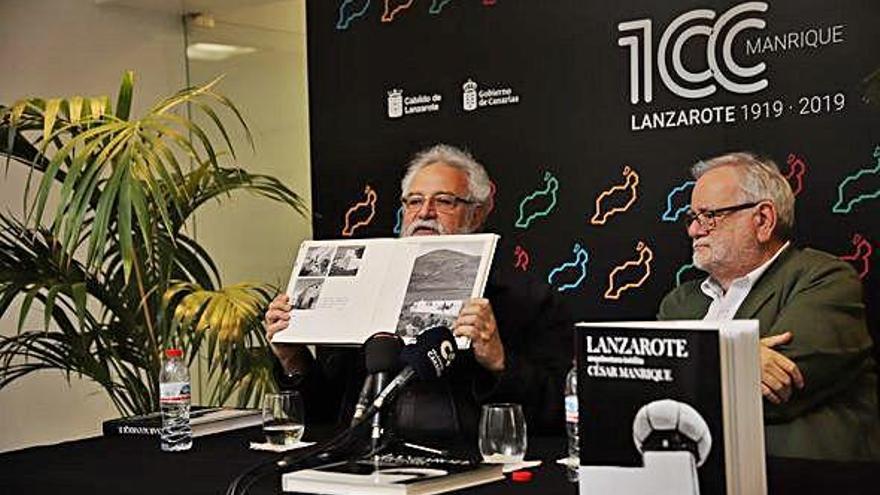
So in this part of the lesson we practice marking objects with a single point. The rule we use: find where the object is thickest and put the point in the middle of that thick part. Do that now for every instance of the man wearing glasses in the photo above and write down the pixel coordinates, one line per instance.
(818, 376)
(520, 333)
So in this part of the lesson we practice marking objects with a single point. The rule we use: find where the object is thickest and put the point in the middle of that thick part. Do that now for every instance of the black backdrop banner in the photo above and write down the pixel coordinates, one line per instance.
(588, 114)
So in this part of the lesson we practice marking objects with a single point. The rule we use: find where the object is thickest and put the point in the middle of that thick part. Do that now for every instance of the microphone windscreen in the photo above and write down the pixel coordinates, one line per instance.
(431, 354)
(382, 353)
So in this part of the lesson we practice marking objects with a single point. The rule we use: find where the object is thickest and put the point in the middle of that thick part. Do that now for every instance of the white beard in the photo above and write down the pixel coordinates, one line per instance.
(433, 224)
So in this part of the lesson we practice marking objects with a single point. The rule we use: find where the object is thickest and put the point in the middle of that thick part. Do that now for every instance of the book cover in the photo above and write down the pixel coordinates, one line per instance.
(392, 474)
(652, 390)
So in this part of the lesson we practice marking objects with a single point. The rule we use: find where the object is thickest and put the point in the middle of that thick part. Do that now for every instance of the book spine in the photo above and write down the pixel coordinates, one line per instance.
(126, 430)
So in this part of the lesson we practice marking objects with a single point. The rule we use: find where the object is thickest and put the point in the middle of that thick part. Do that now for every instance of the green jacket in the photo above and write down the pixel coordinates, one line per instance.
(819, 299)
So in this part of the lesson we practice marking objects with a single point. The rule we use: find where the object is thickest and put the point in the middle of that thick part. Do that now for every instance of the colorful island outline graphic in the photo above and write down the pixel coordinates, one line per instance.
(551, 186)
(369, 203)
(631, 183)
(437, 6)
(521, 258)
(392, 10)
(581, 258)
(679, 274)
(839, 206)
(346, 16)
(350, 10)
(398, 222)
(646, 255)
(863, 249)
(797, 168)
(673, 213)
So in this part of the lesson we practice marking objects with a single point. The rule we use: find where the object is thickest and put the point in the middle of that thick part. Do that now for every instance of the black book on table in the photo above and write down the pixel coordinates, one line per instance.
(203, 419)
(673, 386)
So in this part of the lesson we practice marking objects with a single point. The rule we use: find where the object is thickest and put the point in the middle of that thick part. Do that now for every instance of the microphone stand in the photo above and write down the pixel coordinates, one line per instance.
(433, 350)
(381, 380)
(335, 449)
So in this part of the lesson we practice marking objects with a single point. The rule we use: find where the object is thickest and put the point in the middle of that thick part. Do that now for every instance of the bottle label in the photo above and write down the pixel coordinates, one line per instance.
(571, 408)
(174, 392)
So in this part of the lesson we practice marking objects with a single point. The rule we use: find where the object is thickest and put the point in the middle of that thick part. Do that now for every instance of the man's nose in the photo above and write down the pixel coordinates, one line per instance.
(427, 210)
(695, 229)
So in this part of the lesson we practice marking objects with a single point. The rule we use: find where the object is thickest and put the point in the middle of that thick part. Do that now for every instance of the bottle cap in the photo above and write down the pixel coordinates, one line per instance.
(173, 353)
(521, 476)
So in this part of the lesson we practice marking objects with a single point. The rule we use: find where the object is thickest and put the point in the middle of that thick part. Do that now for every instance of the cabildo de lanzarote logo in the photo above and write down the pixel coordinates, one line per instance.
(399, 104)
(472, 97)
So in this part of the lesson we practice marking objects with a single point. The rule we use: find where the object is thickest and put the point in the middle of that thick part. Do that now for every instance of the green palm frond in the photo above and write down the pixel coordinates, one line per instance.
(34, 270)
(229, 322)
(116, 168)
(107, 257)
(226, 312)
(204, 184)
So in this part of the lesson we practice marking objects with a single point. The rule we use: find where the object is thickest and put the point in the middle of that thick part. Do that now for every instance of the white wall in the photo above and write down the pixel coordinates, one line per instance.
(253, 239)
(269, 87)
(70, 47)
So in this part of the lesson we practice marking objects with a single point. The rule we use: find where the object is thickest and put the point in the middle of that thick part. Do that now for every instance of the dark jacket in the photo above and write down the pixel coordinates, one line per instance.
(819, 299)
(536, 331)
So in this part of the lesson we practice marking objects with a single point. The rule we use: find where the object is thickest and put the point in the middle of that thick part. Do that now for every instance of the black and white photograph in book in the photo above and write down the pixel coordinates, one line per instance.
(306, 292)
(317, 261)
(442, 278)
(347, 261)
(671, 425)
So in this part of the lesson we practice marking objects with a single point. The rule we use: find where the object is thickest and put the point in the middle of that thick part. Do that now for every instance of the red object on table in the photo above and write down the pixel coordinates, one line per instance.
(522, 476)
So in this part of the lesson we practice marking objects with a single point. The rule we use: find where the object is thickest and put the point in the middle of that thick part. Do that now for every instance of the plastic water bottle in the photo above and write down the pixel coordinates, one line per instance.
(571, 423)
(174, 400)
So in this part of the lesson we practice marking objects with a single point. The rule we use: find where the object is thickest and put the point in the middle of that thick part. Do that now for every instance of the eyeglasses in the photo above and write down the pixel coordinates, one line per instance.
(443, 203)
(708, 219)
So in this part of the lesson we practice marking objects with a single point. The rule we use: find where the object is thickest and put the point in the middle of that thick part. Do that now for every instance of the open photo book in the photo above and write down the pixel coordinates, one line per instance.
(344, 291)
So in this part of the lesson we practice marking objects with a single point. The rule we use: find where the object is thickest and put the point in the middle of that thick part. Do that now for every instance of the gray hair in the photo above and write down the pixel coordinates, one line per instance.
(479, 184)
(760, 180)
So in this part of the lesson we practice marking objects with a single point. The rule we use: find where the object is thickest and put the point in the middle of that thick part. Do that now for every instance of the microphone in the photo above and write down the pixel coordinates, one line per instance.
(381, 357)
(427, 359)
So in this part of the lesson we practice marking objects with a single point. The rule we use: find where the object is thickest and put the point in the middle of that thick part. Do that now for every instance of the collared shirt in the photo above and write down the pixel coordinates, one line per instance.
(725, 304)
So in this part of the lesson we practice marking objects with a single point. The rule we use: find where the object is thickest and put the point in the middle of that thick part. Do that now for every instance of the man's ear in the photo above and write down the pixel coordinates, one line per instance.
(490, 203)
(765, 220)
(482, 212)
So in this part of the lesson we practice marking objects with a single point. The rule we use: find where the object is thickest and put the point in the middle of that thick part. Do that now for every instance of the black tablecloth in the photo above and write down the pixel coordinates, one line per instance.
(135, 465)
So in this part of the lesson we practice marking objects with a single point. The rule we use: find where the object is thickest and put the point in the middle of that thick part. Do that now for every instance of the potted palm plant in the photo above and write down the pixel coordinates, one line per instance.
(103, 244)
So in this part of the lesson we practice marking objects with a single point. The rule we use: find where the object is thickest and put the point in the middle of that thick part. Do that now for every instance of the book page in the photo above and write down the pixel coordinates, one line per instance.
(743, 406)
(332, 290)
(444, 272)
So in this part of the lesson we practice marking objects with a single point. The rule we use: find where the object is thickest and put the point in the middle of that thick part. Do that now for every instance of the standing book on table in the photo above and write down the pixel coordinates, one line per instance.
(657, 397)
(344, 291)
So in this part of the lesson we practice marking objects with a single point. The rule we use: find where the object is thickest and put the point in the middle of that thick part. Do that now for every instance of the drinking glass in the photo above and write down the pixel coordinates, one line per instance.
(502, 433)
(283, 418)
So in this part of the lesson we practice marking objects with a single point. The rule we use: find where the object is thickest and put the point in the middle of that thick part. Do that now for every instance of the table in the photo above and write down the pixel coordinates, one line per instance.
(135, 465)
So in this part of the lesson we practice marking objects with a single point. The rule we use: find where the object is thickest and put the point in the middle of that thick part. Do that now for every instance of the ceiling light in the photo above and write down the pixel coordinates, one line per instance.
(215, 51)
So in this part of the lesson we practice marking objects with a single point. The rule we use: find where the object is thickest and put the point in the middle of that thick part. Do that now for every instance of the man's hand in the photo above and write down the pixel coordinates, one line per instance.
(778, 373)
(477, 321)
(278, 319)
(278, 315)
